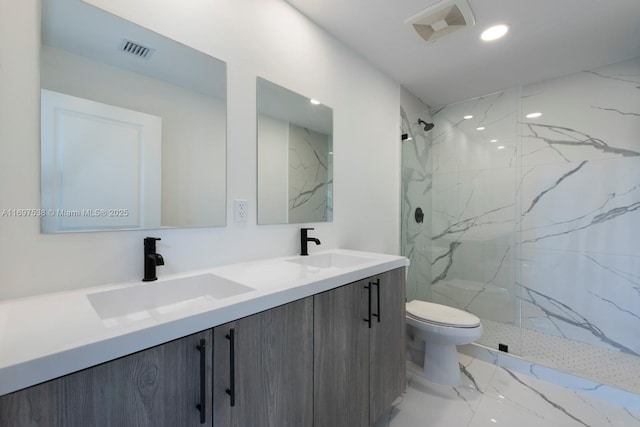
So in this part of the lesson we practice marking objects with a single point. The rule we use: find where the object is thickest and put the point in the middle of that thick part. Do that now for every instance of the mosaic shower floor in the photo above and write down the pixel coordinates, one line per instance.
(599, 364)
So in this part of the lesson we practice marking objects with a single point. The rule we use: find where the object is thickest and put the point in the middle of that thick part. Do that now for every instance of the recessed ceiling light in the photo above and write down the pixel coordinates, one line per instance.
(467, 117)
(500, 147)
(315, 102)
(494, 33)
(533, 115)
(480, 128)
(494, 140)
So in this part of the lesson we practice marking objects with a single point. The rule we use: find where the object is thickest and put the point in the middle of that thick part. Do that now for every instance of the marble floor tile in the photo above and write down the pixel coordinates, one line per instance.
(446, 406)
(493, 413)
(491, 395)
(552, 404)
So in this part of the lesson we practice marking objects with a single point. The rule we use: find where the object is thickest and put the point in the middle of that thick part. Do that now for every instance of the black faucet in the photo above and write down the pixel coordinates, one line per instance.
(151, 259)
(304, 240)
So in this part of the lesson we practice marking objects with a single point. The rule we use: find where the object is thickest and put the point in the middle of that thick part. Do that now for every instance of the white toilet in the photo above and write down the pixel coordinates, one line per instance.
(433, 332)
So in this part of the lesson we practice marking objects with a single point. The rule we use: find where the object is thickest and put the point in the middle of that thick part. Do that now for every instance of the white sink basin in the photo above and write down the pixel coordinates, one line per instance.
(330, 260)
(164, 296)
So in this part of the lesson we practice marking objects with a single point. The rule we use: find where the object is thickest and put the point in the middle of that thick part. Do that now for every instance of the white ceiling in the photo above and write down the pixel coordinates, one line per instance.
(548, 38)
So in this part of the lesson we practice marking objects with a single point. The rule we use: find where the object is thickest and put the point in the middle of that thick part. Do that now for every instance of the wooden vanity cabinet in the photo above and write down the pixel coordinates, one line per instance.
(270, 382)
(317, 361)
(160, 386)
(359, 352)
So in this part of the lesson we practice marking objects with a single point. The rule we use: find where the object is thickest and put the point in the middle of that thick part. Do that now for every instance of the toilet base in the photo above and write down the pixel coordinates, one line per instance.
(440, 364)
(433, 347)
(433, 359)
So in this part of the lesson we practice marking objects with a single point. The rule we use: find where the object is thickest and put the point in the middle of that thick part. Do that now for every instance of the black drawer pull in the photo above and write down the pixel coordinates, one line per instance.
(377, 285)
(202, 406)
(231, 391)
(368, 320)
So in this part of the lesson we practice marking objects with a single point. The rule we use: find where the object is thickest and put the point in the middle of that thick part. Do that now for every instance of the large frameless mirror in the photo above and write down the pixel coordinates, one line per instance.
(133, 126)
(295, 157)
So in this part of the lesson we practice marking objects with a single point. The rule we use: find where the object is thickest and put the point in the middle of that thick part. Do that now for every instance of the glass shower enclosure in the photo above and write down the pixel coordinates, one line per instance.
(462, 175)
(531, 201)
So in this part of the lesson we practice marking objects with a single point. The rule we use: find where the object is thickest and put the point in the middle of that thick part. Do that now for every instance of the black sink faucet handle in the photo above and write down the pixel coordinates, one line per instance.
(150, 243)
(152, 259)
(304, 239)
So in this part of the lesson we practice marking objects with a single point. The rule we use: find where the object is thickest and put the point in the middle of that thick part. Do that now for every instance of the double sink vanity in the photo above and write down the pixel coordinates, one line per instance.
(294, 341)
(291, 341)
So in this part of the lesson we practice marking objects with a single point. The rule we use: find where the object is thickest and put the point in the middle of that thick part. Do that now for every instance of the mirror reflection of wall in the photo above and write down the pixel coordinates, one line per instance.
(295, 157)
(129, 180)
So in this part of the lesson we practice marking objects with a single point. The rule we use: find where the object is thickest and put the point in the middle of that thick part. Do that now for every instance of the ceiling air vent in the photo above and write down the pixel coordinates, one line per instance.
(441, 19)
(136, 49)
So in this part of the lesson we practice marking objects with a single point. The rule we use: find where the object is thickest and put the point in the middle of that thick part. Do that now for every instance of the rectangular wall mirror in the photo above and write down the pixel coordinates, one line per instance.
(295, 157)
(133, 126)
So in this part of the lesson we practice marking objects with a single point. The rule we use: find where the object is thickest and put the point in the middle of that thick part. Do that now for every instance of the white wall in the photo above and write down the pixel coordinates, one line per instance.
(264, 38)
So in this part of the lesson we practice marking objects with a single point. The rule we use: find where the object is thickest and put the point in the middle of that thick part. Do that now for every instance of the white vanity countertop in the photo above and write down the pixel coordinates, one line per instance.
(47, 336)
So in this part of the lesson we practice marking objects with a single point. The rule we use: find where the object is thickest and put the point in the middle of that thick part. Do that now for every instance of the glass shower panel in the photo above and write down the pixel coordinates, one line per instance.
(416, 201)
(473, 213)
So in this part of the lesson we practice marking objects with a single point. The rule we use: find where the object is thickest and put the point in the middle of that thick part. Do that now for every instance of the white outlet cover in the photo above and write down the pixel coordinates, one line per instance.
(240, 210)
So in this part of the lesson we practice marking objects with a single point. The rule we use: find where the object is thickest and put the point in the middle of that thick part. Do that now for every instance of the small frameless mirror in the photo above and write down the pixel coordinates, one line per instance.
(295, 157)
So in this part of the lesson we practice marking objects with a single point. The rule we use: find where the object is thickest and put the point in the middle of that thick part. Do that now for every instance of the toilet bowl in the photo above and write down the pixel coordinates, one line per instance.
(433, 332)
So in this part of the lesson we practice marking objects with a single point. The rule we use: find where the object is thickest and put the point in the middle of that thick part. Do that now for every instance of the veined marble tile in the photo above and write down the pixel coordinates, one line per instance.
(494, 395)
(585, 116)
(443, 406)
(473, 225)
(588, 297)
(554, 405)
(472, 144)
(582, 206)
(493, 412)
(478, 204)
(485, 300)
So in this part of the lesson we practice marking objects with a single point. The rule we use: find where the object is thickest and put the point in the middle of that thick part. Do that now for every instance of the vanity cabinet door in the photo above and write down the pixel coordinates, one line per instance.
(341, 357)
(388, 348)
(359, 353)
(160, 386)
(263, 373)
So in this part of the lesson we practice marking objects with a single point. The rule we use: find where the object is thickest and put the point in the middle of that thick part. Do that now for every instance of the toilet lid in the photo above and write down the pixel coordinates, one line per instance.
(441, 314)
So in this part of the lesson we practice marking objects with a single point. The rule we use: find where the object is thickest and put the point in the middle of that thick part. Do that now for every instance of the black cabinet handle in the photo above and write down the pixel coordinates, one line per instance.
(377, 285)
(202, 406)
(368, 320)
(231, 391)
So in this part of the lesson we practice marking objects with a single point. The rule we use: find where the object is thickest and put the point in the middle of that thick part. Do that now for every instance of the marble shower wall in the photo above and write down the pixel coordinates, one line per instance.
(533, 222)
(580, 213)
